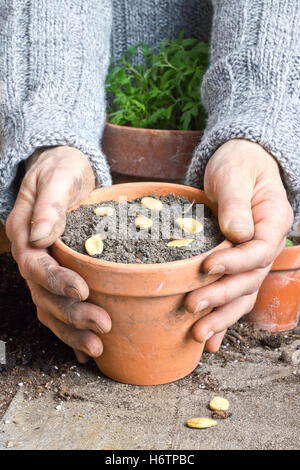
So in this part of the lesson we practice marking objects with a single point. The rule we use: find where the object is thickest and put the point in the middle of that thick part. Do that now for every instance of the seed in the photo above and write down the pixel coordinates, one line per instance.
(181, 242)
(152, 204)
(219, 403)
(201, 423)
(189, 225)
(94, 245)
(143, 223)
(102, 211)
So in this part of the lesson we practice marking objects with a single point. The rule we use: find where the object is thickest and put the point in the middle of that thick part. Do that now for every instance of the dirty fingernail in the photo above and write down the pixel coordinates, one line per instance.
(218, 269)
(202, 305)
(100, 330)
(73, 293)
(39, 231)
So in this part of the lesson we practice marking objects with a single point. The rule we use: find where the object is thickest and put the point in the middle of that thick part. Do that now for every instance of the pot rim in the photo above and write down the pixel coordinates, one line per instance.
(287, 260)
(135, 267)
(144, 129)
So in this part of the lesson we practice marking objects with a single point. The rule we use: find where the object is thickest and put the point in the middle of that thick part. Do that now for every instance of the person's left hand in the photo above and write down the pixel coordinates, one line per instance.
(254, 212)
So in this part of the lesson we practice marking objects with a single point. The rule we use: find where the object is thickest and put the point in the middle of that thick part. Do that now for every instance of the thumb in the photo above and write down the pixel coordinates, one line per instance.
(49, 210)
(234, 208)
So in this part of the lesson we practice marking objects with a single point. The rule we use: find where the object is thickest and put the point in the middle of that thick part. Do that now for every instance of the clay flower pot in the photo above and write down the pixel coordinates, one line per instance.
(150, 342)
(149, 153)
(277, 307)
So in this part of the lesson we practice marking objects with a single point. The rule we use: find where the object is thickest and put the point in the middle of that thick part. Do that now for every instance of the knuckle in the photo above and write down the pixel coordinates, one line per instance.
(52, 278)
(74, 314)
(226, 296)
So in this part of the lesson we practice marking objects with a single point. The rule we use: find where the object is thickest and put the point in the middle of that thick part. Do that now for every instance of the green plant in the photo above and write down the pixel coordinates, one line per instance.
(159, 88)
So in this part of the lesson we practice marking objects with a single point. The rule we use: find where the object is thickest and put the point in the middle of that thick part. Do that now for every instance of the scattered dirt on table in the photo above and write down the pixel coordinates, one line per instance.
(37, 361)
(123, 243)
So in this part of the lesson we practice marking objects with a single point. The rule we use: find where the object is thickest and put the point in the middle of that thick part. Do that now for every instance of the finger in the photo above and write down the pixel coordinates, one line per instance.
(86, 341)
(214, 343)
(80, 315)
(222, 317)
(49, 210)
(225, 290)
(244, 257)
(38, 266)
(234, 204)
(81, 357)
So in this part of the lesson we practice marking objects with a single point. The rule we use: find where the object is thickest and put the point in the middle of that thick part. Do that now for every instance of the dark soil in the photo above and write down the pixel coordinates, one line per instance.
(37, 361)
(123, 243)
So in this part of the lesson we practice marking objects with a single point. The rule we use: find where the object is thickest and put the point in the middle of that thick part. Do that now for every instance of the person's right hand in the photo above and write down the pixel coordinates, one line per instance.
(57, 178)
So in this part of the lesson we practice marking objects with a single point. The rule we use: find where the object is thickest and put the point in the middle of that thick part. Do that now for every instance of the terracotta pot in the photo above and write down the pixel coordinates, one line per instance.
(277, 307)
(149, 153)
(150, 342)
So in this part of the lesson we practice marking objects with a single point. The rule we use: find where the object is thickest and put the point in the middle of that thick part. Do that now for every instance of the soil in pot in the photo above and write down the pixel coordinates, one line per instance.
(124, 242)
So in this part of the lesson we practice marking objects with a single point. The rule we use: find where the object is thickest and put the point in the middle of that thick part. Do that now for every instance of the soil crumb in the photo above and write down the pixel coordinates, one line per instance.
(124, 243)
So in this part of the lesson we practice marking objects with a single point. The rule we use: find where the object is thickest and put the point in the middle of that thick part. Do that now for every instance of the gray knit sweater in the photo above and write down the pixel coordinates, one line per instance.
(54, 57)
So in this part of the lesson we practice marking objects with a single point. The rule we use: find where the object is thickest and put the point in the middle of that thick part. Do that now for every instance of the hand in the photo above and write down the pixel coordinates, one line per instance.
(253, 212)
(57, 179)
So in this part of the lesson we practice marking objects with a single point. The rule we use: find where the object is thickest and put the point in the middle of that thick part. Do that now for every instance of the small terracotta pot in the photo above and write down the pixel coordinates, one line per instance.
(149, 153)
(150, 342)
(277, 307)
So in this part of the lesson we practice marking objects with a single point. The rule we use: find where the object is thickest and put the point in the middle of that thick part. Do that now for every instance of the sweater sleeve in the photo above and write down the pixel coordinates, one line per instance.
(252, 88)
(53, 61)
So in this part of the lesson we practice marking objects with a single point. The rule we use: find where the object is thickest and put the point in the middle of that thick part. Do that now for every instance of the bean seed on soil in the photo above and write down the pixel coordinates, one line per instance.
(143, 223)
(104, 211)
(180, 242)
(152, 203)
(125, 243)
(94, 245)
(189, 225)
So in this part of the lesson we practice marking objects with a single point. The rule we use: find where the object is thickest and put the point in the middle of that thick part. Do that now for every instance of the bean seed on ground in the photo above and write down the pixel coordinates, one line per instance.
(219, 403)
(201, 423)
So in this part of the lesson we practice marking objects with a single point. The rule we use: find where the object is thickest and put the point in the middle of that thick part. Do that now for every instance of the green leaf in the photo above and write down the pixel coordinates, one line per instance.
(289, 242)
(158, 87)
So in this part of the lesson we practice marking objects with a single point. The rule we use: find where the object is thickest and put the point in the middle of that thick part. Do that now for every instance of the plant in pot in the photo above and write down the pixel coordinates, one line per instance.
(155, 114)
(277, 306)
(151, 340)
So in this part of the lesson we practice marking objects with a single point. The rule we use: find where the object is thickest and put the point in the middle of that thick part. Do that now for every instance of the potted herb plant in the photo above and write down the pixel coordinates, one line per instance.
(155, 114)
